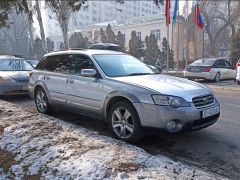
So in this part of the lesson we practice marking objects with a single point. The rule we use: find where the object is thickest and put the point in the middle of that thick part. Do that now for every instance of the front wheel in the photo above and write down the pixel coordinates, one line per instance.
(41, 102)
(124, 122)
(238, 82)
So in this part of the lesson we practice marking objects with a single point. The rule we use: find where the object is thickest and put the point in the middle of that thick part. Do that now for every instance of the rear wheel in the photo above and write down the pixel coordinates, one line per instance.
(217, 77)
(124, 122)
(41, 101)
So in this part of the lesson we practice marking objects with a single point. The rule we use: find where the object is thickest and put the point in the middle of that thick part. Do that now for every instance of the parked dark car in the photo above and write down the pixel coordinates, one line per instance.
(106, 46)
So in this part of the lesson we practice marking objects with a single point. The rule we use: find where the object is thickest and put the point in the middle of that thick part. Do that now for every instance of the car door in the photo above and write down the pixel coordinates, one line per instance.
(56, 76)
(230, 72)
(84, 92)
(222, 69)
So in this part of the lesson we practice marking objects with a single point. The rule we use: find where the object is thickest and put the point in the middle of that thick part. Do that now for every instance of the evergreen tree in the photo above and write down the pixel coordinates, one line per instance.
(111, 37)
(78, 41)
(120, 40)
(136, 46)
(50, 45)
(152, 51)
(163, 55)
(61, 46)
(103, 36)
(235, 46)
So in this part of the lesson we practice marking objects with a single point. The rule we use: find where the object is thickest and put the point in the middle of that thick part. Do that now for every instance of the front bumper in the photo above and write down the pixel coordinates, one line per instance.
(200, 75)
(188, 117)
(13, 89)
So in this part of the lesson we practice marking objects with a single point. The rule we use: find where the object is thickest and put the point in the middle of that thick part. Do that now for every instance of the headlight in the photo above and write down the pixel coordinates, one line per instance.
(6, 80)
(173, 101)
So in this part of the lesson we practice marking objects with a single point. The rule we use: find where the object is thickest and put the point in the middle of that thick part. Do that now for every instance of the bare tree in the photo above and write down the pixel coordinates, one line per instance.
(62, 9)
(219, 16)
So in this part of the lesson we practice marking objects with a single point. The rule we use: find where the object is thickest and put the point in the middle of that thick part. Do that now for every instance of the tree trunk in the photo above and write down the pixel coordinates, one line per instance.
(64, 27)
(30, 31)
(64, 16)
(42, 33)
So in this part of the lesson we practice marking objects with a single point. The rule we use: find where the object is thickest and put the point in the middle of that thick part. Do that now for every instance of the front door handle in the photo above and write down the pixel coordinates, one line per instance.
(47, 78)
(71, 81)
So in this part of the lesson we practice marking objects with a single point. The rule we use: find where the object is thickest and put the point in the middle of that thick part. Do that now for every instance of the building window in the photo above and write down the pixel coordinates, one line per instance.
(124, 36)
(94, 11)
(156, 32)
(94, 19)
(94, 4)
(139, 35)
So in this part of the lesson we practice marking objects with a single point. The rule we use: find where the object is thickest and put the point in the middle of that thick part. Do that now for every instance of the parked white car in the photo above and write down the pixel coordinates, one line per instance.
(210, 69)
(238, 72)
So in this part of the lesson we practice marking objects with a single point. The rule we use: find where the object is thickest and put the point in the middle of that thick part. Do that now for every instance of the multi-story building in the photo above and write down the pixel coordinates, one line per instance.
(102, 11)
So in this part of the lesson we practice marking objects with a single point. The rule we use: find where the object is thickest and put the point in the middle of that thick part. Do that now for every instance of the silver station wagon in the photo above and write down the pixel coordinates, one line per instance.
(122, 90)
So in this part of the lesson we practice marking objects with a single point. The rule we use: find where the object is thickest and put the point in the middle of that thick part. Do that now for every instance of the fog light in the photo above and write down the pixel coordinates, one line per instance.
(171, 125)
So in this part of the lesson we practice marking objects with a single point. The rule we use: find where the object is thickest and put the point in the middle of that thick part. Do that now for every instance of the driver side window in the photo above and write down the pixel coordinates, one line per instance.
(79, 62)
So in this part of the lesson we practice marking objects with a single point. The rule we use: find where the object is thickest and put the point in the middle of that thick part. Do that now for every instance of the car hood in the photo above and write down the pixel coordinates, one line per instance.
(168, 85)
(19, 76)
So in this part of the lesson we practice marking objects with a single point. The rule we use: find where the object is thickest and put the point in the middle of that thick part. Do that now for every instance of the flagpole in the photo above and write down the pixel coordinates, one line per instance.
(167, 46)
(178, 41)
(172, 38)
(187, 56)
(203, 43)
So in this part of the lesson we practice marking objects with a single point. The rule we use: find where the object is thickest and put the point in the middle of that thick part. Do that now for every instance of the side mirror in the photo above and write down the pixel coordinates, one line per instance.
(88, 72)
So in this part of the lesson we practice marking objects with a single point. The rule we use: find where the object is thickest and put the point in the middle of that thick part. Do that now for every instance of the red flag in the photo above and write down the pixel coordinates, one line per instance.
(198, 18)
(167, 12)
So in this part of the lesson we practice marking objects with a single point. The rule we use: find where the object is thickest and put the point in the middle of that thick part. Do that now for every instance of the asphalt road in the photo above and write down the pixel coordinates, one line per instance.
(216, 148)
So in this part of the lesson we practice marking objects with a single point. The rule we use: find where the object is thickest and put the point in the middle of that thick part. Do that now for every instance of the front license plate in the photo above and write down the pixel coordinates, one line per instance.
(210, 112)
(24, 88)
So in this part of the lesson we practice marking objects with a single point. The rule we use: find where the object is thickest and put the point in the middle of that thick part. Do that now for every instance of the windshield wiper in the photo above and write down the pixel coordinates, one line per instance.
(138, 74)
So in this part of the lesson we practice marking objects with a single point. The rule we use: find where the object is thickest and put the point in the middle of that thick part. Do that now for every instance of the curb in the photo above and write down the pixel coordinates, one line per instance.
(224, 88)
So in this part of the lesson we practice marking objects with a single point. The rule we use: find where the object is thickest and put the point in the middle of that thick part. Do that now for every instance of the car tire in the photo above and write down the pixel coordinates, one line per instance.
(124, 122)
(217, 77)
(191, 79)
(41, 101)
(238, 82)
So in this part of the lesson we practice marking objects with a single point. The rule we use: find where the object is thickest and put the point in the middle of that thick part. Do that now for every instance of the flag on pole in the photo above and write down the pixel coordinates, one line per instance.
(197, 17)
(167, 12)
(175, 11)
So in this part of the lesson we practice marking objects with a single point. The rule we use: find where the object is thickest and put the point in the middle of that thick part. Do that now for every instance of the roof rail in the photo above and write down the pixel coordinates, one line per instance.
(76, 49)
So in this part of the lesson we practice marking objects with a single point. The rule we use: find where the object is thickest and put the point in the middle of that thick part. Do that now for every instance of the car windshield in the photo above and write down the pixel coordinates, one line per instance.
(204, 62)
(121, 65)
(14, 65)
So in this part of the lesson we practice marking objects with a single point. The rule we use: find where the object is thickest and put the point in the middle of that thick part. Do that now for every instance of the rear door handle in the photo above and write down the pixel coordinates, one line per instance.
(47, 78)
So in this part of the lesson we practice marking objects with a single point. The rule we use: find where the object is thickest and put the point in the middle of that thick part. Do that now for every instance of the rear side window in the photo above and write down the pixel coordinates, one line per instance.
(221, 64)
(59, 64)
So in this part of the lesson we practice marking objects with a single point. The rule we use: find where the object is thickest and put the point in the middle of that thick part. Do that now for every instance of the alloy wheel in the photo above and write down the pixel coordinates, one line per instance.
(122, 122)
(41, 101)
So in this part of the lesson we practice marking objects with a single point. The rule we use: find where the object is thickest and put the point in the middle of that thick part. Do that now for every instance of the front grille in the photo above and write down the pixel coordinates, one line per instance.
(207, 121)
(203, 100)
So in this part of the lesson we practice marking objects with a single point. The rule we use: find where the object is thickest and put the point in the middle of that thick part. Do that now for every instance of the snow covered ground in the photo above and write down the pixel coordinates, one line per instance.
(33, 145)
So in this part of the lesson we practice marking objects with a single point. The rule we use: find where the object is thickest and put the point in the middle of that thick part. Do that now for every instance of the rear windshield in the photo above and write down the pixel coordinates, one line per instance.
(14, 65)
(204, 62)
